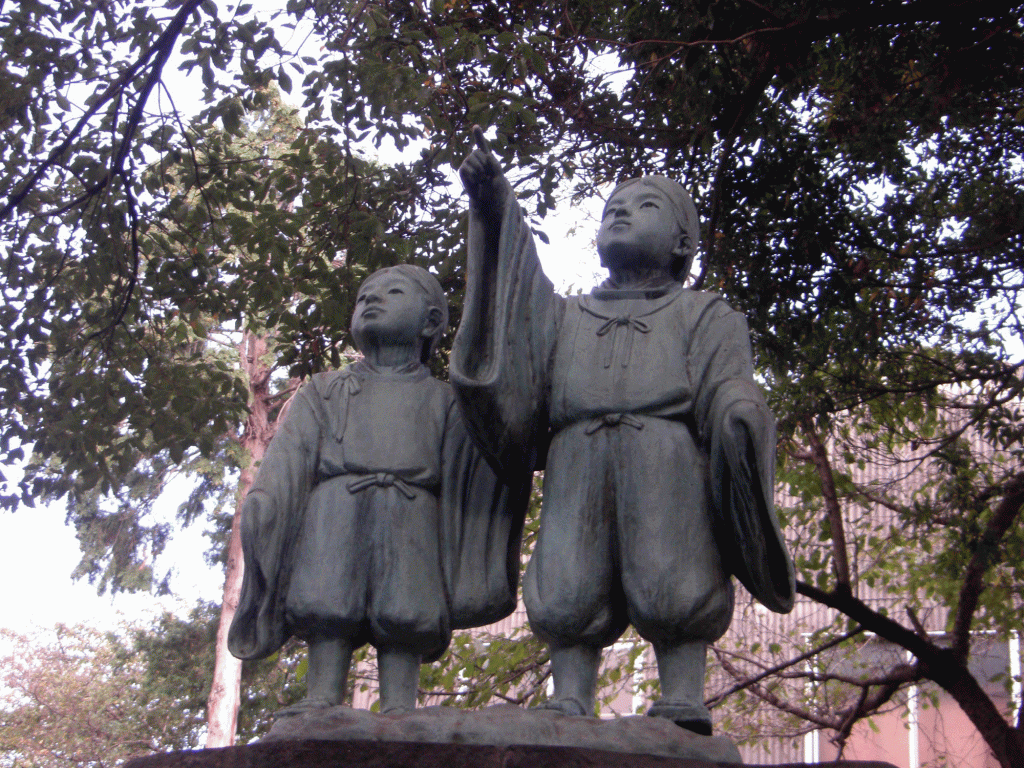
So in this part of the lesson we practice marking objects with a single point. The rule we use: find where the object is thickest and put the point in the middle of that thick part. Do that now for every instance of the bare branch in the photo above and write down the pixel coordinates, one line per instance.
(1005, 515)
(832, 509)
(918, 626)
(861, 491)
(161, 48)
(873, 621)
(782, 667)
(779, 703)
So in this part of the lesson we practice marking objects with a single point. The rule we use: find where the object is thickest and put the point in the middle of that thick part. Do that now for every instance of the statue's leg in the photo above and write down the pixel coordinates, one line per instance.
(327, 677)
(323, 605)
(681, 674)
(574, 672)
(571, 590)
(679, 595)
(399, 673)
(329, 661)
(407, 608)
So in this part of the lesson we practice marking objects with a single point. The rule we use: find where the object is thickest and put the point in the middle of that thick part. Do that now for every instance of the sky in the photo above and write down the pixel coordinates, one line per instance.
(38, 553)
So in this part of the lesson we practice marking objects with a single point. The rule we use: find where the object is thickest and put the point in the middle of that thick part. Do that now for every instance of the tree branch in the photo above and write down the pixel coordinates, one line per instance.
(873, 621)
(970, 591)
(832, 509)
(938, 664)
(162, 48)
(918, 626)
(781, 667)
(763, 693)
(755, 90)
(869, 701)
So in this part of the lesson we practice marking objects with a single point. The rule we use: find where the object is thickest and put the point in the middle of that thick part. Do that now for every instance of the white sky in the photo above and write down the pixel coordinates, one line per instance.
(38, 553)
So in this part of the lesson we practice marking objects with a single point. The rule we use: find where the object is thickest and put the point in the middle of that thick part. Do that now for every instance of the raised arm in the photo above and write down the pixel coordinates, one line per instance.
(487, 187)
(501, 354)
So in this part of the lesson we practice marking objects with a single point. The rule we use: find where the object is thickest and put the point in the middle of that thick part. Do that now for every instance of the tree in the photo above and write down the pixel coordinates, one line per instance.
(858, 171)
(182, 384)
(76, 696)
(79, 698)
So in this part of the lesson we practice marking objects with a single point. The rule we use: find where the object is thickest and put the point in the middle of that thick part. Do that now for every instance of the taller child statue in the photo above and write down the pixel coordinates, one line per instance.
(660, 449)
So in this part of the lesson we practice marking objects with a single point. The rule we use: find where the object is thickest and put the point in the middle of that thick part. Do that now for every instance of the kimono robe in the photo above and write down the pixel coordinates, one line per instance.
(658, 445)
(374, 518)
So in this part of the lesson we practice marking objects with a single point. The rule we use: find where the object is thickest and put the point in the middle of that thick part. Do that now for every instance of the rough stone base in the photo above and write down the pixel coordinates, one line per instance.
(442, 737)
(505, 726)
(366, 754)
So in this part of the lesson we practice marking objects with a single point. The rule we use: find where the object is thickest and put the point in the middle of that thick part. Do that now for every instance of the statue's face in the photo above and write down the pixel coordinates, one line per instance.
(638, 230)
(390, 310)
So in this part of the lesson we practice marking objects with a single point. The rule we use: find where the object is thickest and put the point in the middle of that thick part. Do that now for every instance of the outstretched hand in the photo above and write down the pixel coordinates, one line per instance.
(482, 177)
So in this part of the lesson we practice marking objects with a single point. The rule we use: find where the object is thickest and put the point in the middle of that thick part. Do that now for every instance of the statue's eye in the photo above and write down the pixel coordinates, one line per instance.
(395, 290)
(649, 204)
(361, 297)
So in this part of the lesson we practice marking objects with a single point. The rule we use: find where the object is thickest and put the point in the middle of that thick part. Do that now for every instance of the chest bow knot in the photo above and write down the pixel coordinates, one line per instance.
(612, 325)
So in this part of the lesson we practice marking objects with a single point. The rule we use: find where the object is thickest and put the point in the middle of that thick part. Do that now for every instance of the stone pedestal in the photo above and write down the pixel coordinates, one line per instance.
(443, 737)
(367, 754)
(507, 726)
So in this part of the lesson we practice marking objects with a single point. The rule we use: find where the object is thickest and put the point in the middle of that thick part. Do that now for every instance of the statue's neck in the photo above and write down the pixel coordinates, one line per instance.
(392, 358)
(638, 279)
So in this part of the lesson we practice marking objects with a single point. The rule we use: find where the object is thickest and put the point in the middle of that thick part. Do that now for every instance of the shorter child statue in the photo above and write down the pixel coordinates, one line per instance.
(373, 518)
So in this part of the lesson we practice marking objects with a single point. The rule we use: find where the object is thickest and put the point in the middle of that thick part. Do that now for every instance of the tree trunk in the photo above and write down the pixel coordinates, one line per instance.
(1005, 741)
(222, 708)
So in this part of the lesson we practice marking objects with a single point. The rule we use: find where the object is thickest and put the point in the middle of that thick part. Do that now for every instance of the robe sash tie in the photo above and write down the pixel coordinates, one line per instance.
(382, 480)
(614, 420)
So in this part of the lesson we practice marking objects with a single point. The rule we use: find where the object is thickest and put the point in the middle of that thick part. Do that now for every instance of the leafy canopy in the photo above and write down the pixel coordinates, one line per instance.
(858, 169)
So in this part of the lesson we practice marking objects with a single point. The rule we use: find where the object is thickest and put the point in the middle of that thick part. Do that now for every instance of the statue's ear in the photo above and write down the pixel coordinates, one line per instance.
(684, 249)
(682, 257)
(434, 319)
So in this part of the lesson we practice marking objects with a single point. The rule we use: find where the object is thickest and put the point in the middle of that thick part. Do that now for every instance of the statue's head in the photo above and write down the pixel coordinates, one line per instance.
(649, 222)
(402, 304)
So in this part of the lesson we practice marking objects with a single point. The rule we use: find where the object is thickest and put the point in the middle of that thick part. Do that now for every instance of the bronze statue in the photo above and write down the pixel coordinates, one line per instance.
(639, 402)
(373, 518)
